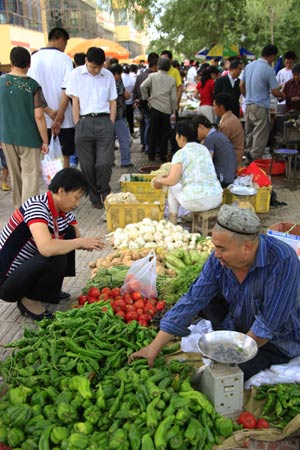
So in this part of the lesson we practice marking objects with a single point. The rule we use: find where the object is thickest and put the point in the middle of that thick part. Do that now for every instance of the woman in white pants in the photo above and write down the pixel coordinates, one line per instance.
(192, 180)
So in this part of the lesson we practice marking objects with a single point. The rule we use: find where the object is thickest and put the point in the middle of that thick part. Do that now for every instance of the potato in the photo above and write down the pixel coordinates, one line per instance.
(92, 264)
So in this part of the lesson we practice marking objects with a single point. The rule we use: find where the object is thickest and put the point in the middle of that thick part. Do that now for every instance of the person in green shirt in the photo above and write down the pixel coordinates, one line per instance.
(23, 130)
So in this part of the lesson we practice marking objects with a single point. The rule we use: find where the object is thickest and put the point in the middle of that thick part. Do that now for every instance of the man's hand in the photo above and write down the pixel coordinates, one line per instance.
(44, 148)
(147, 352)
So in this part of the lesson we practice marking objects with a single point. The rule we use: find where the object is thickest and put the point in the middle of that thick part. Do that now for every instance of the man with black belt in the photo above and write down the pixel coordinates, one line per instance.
(93, 92)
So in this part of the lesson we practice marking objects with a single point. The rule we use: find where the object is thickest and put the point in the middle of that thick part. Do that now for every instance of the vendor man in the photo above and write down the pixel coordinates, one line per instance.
(258, 276)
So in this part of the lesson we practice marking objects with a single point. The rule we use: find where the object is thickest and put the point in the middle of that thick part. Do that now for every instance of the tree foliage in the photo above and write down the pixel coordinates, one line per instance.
(187, 26)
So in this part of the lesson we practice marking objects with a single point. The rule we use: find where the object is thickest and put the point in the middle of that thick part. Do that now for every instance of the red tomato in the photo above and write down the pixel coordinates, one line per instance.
(136, 295)
(133, 285)
(82, 299)
(149, 309)
(247, 420)
(129, 308)
(127, 297)
(160, 305)
(93, 292)
(120, 304)
(115, 291)
(104, 308)
(139, 304)
(131, 315)
(262, 423)
(120, 314)
(118, 297)
(153, 301)
(104, 296)
(139, 311)
(145, 317)
(143, 323)
(106, 290)
(92, 299)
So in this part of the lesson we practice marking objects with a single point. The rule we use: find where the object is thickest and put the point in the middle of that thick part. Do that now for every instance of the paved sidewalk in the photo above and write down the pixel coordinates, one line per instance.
(91, 223)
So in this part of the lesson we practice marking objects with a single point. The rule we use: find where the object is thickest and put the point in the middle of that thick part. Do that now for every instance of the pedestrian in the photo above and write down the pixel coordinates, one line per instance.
(257, 81)
(159, 89)
(249, 284)
(38, 243)
(121, 125)
(51, 67)
(93, 91)
(23, 131)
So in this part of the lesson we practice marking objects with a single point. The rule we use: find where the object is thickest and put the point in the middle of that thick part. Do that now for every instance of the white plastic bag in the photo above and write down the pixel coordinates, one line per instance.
(142, 277)
(55, 148)
(50, 168)
(52, 163)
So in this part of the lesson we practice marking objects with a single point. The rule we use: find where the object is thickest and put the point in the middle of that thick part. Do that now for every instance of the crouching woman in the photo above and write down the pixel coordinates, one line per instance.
(38, 243)
(192, 180)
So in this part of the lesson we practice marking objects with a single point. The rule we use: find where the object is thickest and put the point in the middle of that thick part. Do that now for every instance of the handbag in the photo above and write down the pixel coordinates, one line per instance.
(52, 163)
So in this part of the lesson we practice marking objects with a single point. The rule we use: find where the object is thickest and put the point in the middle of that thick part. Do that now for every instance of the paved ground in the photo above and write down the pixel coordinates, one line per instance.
(91, 223)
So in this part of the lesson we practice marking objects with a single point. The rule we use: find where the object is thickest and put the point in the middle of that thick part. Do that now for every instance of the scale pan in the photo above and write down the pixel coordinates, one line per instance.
(228, 347)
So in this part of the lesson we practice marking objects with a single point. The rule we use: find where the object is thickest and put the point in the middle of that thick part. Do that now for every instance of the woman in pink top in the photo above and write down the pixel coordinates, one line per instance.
(204, 92)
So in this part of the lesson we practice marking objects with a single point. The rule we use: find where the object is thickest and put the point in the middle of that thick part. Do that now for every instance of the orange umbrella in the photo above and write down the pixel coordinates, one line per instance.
(112, 49)
(139, 58)
(73, 42)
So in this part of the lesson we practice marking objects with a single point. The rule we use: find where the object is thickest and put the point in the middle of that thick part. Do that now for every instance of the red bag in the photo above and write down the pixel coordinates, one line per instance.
(259, 175)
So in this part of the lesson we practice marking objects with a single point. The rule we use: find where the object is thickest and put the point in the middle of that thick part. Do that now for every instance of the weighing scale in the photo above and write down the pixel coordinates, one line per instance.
(243, 194)
(223, 381)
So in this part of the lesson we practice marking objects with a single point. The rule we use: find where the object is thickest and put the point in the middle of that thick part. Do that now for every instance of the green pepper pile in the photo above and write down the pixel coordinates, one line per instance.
(282, 403)
(70, 388)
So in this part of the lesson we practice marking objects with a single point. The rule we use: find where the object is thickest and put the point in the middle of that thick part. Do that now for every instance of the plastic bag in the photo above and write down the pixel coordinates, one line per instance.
(50, 168)
(52, 163)
(137, 115)
(259, 175)
(142, 277)
(55, 148)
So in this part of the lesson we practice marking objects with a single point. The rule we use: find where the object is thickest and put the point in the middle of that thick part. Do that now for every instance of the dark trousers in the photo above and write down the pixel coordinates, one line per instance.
(129, 117)
(40, 277)
(159, 133)
(267, 355)
(95, 140)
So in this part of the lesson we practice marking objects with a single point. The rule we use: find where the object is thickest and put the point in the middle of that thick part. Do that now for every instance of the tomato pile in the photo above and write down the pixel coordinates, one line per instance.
(130, 307)
(249, 421)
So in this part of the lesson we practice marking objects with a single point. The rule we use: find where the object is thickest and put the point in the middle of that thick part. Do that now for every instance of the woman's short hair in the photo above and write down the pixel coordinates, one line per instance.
(188, 130)
(70, 179)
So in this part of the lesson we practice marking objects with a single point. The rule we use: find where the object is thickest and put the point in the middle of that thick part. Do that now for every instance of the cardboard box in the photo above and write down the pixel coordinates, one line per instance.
(288, 233)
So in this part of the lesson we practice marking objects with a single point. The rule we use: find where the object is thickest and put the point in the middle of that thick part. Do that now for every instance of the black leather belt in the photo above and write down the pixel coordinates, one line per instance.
(95, 115)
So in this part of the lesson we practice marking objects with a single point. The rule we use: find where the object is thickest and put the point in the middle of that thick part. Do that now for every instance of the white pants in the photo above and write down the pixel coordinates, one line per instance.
(175, 195)
(208, 112)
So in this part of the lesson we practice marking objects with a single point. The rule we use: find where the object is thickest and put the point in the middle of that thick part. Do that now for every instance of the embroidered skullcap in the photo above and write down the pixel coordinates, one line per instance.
(238, 220)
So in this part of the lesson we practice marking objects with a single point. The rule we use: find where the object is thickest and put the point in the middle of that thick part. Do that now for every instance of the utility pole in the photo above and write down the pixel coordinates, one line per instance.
(44, 20)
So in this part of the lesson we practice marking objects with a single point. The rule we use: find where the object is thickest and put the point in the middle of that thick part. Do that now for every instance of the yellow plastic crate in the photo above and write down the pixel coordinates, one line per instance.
(121, 214)
(260, 201)
(138, 187)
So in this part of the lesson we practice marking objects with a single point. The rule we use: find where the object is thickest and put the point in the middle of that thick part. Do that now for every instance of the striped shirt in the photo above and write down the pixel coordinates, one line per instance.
(267, 302)
(16, 242)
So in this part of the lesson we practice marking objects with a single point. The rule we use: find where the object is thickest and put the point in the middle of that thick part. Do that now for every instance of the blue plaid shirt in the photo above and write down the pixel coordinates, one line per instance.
(267, 302)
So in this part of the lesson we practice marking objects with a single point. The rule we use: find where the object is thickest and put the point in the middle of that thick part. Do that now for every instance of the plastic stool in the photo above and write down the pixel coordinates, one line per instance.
(200, 221)
(291, 156)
